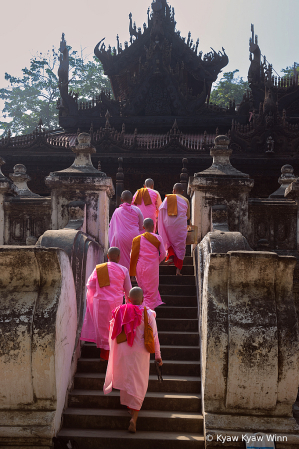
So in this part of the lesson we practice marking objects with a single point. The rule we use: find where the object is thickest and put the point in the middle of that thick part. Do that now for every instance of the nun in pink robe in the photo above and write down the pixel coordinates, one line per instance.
(128, 366)
(173, 229)
(147, 270)
(151, 210)
(126, 223)
(101, 301)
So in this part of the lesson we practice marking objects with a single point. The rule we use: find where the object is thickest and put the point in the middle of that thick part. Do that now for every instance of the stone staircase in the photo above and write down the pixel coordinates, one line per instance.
(171, 413)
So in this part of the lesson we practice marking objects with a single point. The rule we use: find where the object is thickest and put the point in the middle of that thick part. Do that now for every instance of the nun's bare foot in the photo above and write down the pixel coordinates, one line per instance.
(178, 272)
(170, 260)
(132, 426)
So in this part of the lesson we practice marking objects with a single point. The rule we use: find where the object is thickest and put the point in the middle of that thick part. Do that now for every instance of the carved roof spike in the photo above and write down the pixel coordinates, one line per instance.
(175, 125)
(107, 116)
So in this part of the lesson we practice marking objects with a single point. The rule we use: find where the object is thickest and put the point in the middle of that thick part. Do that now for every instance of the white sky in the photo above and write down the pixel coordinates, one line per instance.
(35, 25)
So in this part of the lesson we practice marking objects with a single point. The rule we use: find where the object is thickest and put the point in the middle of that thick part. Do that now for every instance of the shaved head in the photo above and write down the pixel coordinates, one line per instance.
(149, 225)
(113, 254)
(149, 183)
(178, 188)
(126, 196)
(136, 296)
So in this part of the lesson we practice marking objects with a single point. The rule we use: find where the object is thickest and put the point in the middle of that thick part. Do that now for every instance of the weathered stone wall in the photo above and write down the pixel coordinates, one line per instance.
(274, 220)
(250, 342)
(37, 340)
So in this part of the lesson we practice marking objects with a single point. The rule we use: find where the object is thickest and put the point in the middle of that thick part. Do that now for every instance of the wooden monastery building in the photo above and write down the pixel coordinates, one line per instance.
(160, 113)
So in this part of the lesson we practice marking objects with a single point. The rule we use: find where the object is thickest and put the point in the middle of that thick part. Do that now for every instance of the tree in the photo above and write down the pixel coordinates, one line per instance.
(229, 88)
(289, 71)
(34, 95)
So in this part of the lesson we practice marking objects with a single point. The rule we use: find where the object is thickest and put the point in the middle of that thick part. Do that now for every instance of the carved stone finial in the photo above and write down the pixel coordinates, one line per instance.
(286, 178)
(221, 165)
(2, 162)
(20, 178)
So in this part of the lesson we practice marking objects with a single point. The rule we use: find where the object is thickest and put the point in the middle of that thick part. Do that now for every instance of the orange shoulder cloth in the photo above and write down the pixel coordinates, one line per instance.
(136, 248)
(143, 194)
(172, 205)
(103, 275)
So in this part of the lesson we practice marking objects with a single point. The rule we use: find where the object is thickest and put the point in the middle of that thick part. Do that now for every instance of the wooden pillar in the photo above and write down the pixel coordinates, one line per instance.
(119, 181)
(184, 176)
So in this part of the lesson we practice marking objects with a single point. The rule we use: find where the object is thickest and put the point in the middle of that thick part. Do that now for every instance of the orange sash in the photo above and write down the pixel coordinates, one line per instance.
(143, 194)
(172, 205)
(149, 341)
(103, 275)
(136, 248)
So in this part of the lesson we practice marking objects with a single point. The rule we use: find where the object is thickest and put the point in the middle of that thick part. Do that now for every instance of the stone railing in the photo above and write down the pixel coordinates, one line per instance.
(250, 345)
(249, 340)
(38, 334)
(26, 214)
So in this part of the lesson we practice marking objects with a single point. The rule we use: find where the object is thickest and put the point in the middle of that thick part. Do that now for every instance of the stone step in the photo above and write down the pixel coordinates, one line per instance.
(173, 289)
(148, 420)
(166, 311)
(122, 439)
(171, 270)
(177, 325)
(177, 280)
(161, 401)
(179, 300)
(179, 338)
(176, 384)
(182, 353)
(89, 350)
(170, 367)
(188, 260)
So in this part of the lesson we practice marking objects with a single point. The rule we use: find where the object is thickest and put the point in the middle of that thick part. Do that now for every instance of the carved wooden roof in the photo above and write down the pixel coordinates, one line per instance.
(159, 72)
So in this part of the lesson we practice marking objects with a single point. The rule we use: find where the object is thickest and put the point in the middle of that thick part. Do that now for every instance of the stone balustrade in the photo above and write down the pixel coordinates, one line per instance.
(37, 340)
(250, 345)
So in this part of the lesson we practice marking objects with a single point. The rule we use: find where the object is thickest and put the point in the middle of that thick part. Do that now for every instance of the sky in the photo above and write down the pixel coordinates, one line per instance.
(32, 26)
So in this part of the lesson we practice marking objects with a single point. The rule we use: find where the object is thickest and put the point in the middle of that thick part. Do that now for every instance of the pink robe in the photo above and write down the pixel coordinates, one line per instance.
(100, 302)
(126, 223)
(128, 367)
(147, 271)
(173, 229)
(150, 211)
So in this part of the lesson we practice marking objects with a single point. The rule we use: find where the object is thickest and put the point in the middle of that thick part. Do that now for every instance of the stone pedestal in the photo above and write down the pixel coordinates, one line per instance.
(82, 182)
(221, 184)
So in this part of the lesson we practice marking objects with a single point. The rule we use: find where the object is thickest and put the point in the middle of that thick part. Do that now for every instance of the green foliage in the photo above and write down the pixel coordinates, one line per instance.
(229, 88)
(34, 95)
(289, 71)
